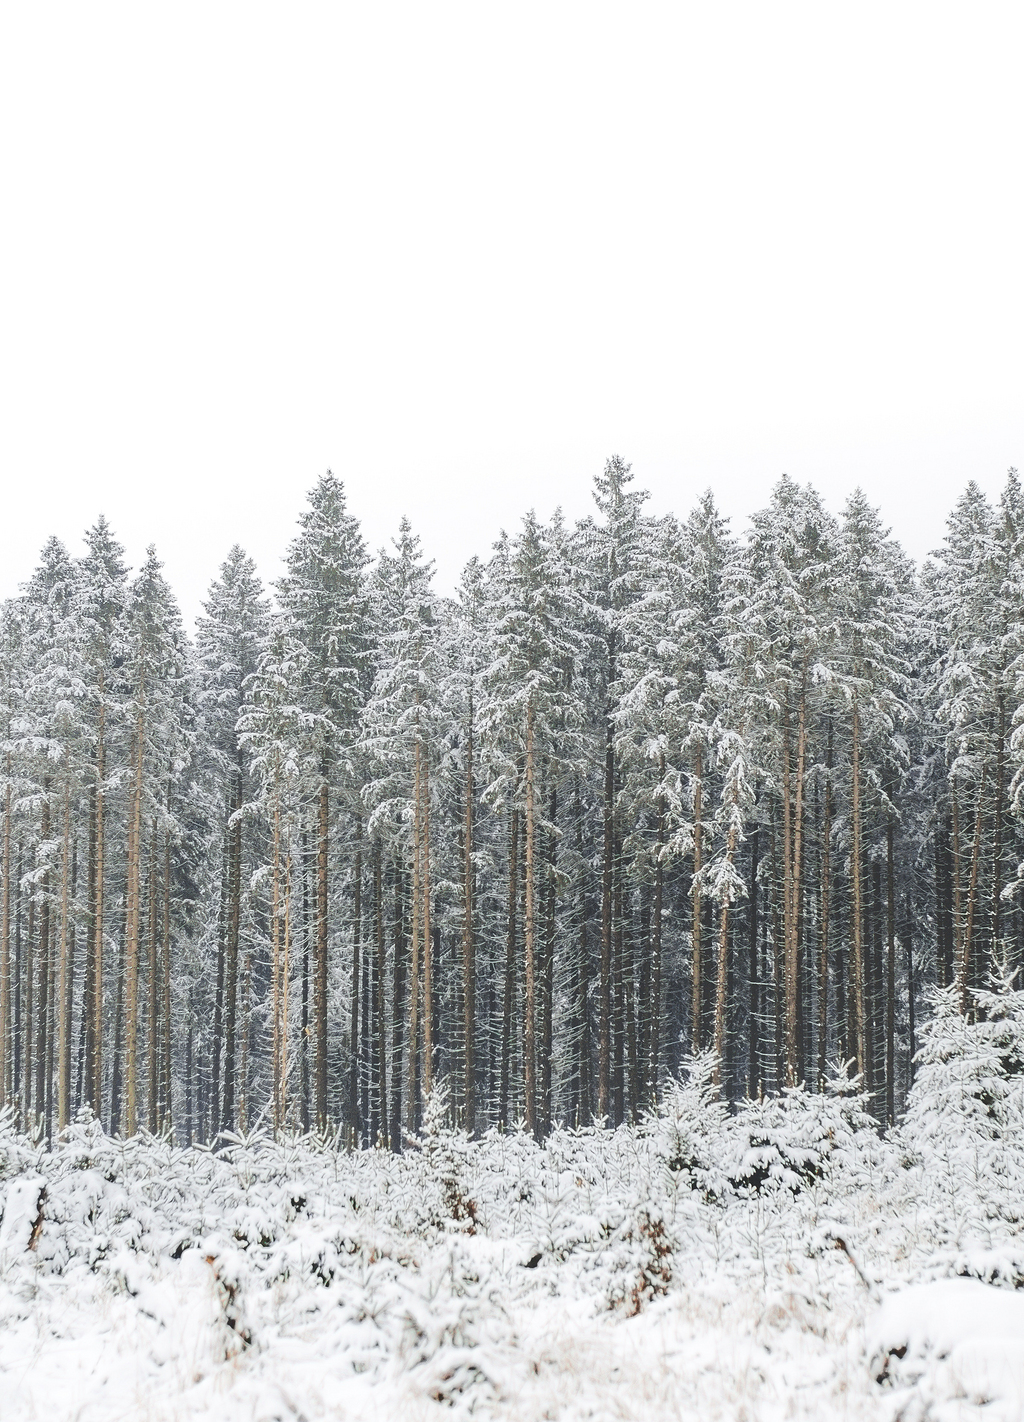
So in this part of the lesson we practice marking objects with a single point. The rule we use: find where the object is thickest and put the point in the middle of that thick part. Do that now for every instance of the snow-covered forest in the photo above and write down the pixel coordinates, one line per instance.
(642, 788)
(589, 994)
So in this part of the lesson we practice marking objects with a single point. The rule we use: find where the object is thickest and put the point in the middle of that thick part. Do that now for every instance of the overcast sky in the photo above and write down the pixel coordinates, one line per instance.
(460, 253)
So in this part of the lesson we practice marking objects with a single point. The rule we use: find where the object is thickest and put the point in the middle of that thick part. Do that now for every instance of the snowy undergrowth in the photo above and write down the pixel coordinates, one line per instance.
(709, 1264)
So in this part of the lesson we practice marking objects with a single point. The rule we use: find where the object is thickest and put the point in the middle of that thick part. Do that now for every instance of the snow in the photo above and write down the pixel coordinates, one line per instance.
(785, 1261)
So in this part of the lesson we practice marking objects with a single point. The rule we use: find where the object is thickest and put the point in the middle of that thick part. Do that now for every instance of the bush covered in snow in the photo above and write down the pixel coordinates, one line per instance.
(706, 1260)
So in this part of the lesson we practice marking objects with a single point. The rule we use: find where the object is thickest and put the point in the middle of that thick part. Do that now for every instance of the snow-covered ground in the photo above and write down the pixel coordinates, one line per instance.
(784, 1262)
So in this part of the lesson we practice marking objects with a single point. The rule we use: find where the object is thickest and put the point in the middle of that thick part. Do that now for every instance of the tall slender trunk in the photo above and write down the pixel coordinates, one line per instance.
(753, 1027)
(529, 1003)
(320, 985)
(604, 1027)
(826, 917)
(890, 974)
(510, 968)
(397, 1016)
(154, 988)
(696, 1034)
(64, 985)
(6, 1044)
(43, 988)
(132, 927)
(275, 967)
(355, 1125)
(414, 967)
(94, 1047)
(382, 1049)
(722, 981)
(966, 962)
(793, 897)
(468, 944)
(997, 831)
(657, 916)
(168, 1109)
(428, 938)
(233, 833)
(857, 995)
(547, 985)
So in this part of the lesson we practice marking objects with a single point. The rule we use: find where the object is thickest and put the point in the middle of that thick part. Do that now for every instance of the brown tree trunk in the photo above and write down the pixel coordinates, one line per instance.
(530, 1003)
(132, 931)
(6, 1044)
(357, 947)
(320, 982)
(468, 944)
(153, 1060)
(826, 918)
(510, 969)
(696, 1034)
(604, 1027)
(966, 963)
(857, 994)
(890, 975)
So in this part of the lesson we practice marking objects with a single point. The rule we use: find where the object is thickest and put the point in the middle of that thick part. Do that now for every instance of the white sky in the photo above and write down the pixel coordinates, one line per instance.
(460, 253)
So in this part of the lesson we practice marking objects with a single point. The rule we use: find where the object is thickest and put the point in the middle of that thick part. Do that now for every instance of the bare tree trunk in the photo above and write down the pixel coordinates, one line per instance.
(382, 1050)
(168, 1110)
(857, 995)
(890, 975)
(510, 968)
(233, 832)
(64, 985)
(275, 941)
(529, 1004)
(320, 985)
(154, 988)
(657, 914)
(826, 918)
(468, 944)
(43, 990)
(966, 962)
(6, 1053)
(604, 1029)
(722, 982)
(696, 1034)
(428, 939)
(547, 988)
(132, 926)
(94, 1047)
(397, 1016)
(753, 1028)
(414, 966)
(355, 1126)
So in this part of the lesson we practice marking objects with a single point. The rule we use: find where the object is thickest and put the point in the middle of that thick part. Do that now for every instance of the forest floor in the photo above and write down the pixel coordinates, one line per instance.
(691, 1268)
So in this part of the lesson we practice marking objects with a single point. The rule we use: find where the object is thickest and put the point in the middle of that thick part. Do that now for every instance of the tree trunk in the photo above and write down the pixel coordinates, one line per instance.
(94, 1046)
(696, 1034)
(355, 1125)
(966, 963)
(6, 1044)
(412, 1103)
(826, 915)
(320, 986)
(753, 1026)
(530, 1003)
(510, 968)
(381, 1039)
(857, 995)
(468, 945)
(604, 1030)
(397, 1016)
(132, 933)
(890, 975)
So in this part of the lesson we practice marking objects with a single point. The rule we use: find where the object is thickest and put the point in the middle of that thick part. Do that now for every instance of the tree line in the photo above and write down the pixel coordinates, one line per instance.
(640, 788)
